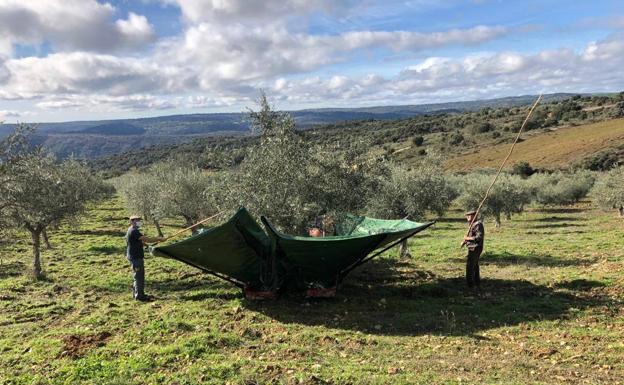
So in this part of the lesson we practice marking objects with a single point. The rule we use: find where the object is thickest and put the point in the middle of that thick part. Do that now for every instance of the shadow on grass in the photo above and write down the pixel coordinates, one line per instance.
(557, 232)
(555, 225)
(459, 219)
(11, 269)
(388, 300)
(562, 210)
(554, 219)
(103, 232)
(506, 259)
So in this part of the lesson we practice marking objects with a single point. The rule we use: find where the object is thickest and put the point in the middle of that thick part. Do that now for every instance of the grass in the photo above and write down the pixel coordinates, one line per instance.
(550, 313)
(551, 149)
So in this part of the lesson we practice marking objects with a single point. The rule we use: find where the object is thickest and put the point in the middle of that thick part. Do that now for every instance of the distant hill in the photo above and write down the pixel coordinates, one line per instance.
(584, 131)
(92, 139)
(114, 128)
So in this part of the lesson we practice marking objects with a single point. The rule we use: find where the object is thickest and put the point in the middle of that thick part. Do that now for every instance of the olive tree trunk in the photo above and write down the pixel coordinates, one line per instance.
(404, 250)
(158, 229)
(36, 243)
(46, 239)
(497, 220)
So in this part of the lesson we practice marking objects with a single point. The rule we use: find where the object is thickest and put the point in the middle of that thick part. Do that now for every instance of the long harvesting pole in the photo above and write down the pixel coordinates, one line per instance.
(487, 192)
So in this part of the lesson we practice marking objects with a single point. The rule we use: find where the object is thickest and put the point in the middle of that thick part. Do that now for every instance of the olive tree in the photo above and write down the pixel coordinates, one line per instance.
(608, 192)
(338, 179)
(181, 190)
(273, 178)
(140, 195)
(560, 188)
(400, 192)
(509, 195)
(169, 189)
(36, 191)
(292, 183)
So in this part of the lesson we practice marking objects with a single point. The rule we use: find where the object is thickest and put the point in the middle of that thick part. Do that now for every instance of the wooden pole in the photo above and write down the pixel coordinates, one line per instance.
(188, 228)
(487, 192)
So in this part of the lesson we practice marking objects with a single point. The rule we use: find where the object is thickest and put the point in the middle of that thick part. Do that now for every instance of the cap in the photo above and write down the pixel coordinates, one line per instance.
(133, 217)
(471, 212)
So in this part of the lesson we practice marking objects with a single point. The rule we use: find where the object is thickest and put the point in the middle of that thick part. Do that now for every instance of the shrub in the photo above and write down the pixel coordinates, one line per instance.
(418, 141)
(603, 160)
(456, 139)
(482, 127)
(522, 169)
(608, 192)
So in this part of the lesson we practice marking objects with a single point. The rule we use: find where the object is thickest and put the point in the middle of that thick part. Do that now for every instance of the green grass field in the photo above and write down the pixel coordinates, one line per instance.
(550, 312)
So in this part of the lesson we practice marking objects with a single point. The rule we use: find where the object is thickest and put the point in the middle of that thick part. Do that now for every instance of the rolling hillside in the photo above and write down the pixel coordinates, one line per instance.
(93, 139)
(552, 149)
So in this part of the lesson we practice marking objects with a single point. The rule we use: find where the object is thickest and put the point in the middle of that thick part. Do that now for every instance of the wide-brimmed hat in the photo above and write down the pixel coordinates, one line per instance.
(471, 212)
(134, 217)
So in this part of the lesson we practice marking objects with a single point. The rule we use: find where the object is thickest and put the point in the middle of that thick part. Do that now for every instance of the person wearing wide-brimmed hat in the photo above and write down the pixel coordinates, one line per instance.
(135, 241)
(474, 242)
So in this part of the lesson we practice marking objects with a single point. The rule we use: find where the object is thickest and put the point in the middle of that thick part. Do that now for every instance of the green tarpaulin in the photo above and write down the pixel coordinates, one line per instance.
(241, 252)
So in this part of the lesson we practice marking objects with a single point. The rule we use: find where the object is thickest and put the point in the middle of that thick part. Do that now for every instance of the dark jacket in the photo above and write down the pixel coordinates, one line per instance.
(134, 248)
(477, 231)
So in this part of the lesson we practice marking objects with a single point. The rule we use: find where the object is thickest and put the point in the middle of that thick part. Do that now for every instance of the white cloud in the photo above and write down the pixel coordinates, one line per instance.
(136, 29)
(99, 103)
(71, 25)
(229, 49)
(600, 66)
(86, 73)
(238, 55)
(4, 114)
(258, 12)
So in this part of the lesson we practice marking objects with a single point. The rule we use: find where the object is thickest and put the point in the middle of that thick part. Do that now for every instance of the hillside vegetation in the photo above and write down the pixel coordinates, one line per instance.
(552, 149)
(409, 140)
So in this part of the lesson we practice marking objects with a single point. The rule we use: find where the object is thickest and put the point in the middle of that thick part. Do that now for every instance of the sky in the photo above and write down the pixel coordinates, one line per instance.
(63, 60)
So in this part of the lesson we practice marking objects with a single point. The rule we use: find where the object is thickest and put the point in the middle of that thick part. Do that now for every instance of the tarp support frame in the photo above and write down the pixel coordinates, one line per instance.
(366, 259)
(207, 271)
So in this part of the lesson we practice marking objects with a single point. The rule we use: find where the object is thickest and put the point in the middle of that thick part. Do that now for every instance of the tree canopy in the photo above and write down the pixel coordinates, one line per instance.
(37, 191)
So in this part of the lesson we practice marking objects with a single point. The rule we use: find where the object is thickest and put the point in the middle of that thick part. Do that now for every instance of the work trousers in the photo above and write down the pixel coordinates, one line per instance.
(473, 278)
(138, 275)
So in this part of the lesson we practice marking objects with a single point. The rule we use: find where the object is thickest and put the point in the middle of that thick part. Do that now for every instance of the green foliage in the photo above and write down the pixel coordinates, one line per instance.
(608, 192)
(36, 191)
(456, 139)
(169, 189)
(482, 127)
(139, 193)
(522, 169)
(273, 179)
(509, 195)
(287, 180)
(603, 160)
(561, 188)
(200, 330)
(401, 192)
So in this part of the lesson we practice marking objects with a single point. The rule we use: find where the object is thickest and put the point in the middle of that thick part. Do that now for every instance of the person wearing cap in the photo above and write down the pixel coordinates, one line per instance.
(135, 241)
(474, 243)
